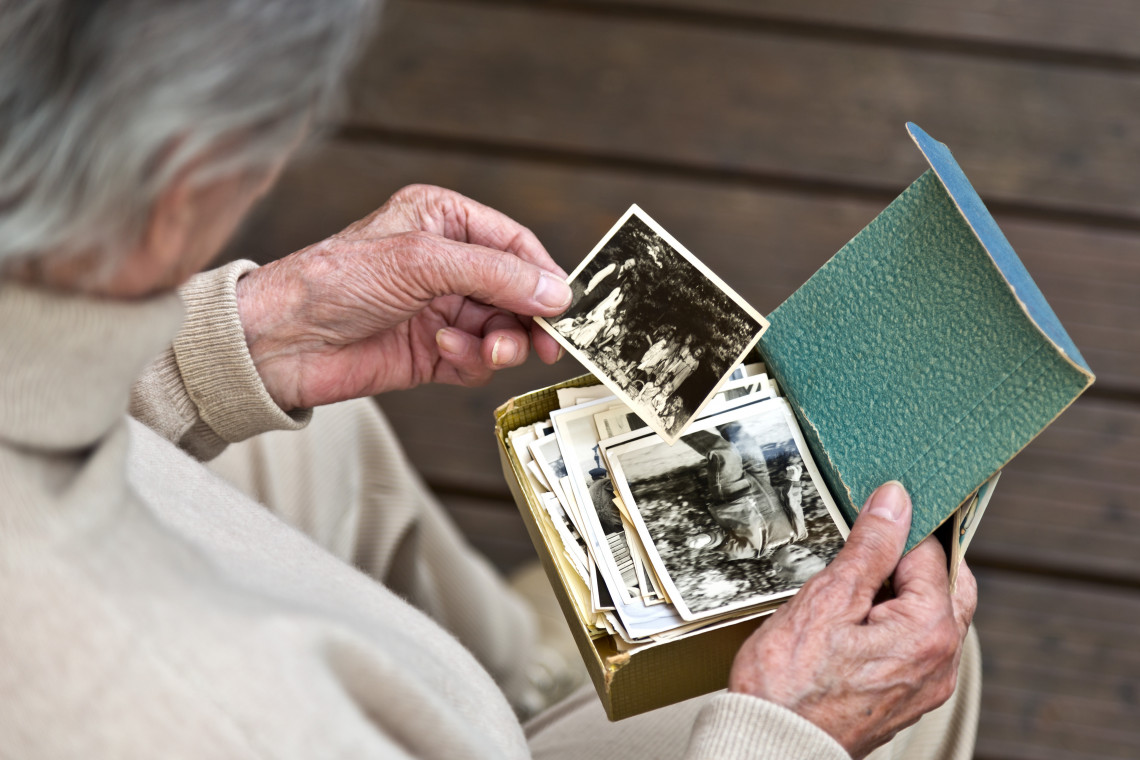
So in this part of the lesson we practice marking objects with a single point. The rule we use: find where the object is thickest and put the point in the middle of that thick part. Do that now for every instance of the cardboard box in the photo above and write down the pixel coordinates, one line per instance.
(627, 683)
(922, 351)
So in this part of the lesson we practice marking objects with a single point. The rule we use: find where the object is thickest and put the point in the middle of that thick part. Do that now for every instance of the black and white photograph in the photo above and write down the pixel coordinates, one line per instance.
(654, 323)
(578, 440)
(732, 516)
(548, 457)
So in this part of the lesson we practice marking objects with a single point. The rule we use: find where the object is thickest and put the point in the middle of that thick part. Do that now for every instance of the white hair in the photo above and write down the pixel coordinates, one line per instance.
(103, 102)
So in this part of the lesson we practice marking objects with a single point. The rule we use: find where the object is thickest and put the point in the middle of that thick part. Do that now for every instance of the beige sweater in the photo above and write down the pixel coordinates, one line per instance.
(147, 609)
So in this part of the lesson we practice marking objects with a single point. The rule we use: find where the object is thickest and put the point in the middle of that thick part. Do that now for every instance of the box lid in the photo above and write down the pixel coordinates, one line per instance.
(922, 351)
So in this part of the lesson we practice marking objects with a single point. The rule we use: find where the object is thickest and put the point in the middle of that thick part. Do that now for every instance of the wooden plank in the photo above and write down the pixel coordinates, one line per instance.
(1067, 504)
(749, 101)
(1062, 507)
(764, 242)
(1061, 669)
(1071, 501)
(1092, 27)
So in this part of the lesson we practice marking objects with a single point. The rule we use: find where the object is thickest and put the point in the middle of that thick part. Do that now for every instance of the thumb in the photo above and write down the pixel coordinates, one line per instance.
(877, 541)
(436, 266)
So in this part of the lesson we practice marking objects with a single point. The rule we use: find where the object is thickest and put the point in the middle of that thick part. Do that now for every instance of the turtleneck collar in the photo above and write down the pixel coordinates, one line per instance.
(67, 362)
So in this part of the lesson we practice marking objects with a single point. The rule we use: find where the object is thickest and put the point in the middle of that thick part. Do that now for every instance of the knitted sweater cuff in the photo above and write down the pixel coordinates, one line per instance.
(214, 362)
(740, 727)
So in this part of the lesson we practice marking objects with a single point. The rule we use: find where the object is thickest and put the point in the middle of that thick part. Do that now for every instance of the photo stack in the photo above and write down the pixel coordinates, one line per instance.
(680, 486)
(667, 539)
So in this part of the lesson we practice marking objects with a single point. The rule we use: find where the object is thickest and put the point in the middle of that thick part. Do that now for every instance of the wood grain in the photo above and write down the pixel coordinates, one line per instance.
(1068, 504)
(1061, 669)
(831, 111)
(764, 242)
(1093, 27)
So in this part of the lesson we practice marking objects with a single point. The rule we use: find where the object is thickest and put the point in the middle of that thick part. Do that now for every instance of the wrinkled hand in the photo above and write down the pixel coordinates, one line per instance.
(862, 670)
(433, 287)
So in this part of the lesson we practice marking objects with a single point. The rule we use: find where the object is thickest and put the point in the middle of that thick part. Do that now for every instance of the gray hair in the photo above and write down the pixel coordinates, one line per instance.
(103, 102)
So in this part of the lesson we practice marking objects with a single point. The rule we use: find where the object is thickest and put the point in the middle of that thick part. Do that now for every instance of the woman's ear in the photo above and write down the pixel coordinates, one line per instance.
(189, 225)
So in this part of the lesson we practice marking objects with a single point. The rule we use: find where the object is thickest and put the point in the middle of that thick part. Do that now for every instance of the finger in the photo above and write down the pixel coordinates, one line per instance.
(876, 542)
(965, 597)
(505, 342)
(462, 353)
(474, 315)
(482, 320)
(922, 588)
(429, 266)
(545, 346)
(922, 572)
(455, 216)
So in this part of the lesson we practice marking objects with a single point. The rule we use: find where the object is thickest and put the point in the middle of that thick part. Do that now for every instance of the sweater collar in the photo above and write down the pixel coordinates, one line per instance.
(67, 362)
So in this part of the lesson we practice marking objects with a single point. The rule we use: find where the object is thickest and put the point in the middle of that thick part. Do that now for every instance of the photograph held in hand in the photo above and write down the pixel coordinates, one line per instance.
(654, 324)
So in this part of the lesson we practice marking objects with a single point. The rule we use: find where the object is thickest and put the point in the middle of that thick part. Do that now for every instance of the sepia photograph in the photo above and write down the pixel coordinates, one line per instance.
(735, 514)
(654, 323)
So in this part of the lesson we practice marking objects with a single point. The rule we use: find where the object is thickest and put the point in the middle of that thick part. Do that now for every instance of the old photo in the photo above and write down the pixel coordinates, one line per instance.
(593, 491)
(654, 324)
(732, 516)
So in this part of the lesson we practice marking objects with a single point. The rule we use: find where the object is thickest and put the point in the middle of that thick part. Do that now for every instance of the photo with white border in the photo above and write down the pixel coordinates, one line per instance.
(654, 324)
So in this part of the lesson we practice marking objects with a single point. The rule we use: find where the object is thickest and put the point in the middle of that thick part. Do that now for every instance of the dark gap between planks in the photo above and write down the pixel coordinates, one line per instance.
(838, 32)
(720, 176)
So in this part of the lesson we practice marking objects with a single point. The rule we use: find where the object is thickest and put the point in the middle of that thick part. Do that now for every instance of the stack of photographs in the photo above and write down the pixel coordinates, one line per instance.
(669, 539)
(680, 487)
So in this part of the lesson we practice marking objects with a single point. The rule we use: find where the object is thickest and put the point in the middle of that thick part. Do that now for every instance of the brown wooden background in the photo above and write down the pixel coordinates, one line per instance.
(764, 134)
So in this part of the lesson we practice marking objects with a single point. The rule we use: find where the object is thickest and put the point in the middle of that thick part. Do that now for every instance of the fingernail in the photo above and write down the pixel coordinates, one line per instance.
(561, 353)
(552, 292)
(448, 341)
(888, 501)
(504, 351)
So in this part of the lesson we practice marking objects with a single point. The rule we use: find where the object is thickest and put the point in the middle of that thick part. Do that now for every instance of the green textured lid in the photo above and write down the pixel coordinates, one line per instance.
(922, 351)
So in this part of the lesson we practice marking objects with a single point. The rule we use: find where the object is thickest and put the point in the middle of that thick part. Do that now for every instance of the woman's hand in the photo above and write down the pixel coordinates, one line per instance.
(860, 666)
(432, 287)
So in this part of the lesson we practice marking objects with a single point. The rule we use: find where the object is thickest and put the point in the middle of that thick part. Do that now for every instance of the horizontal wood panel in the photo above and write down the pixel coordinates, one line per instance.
(1058, 508)
(1069, 503)
(1061, 511)
(763, 242)
(1095, 27)
(1060, 659)
(746, 100)
(1061, 663)
(1061, 669)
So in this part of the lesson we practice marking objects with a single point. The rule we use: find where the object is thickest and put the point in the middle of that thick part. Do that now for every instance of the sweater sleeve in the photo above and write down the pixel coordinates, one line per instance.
(204, 392)
(740, 727)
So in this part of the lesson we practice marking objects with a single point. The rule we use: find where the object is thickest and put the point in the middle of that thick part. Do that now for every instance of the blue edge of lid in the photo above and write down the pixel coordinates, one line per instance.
(992, 239)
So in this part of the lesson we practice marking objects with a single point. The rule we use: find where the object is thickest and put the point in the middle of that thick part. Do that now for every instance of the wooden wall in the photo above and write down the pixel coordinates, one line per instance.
(764, 134)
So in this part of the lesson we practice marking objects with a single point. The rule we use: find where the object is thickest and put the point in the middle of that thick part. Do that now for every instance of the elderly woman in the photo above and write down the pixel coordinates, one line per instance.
(149, 607)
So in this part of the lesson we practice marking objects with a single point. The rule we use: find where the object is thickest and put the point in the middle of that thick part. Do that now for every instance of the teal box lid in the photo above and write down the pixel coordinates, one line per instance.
(922, 351)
